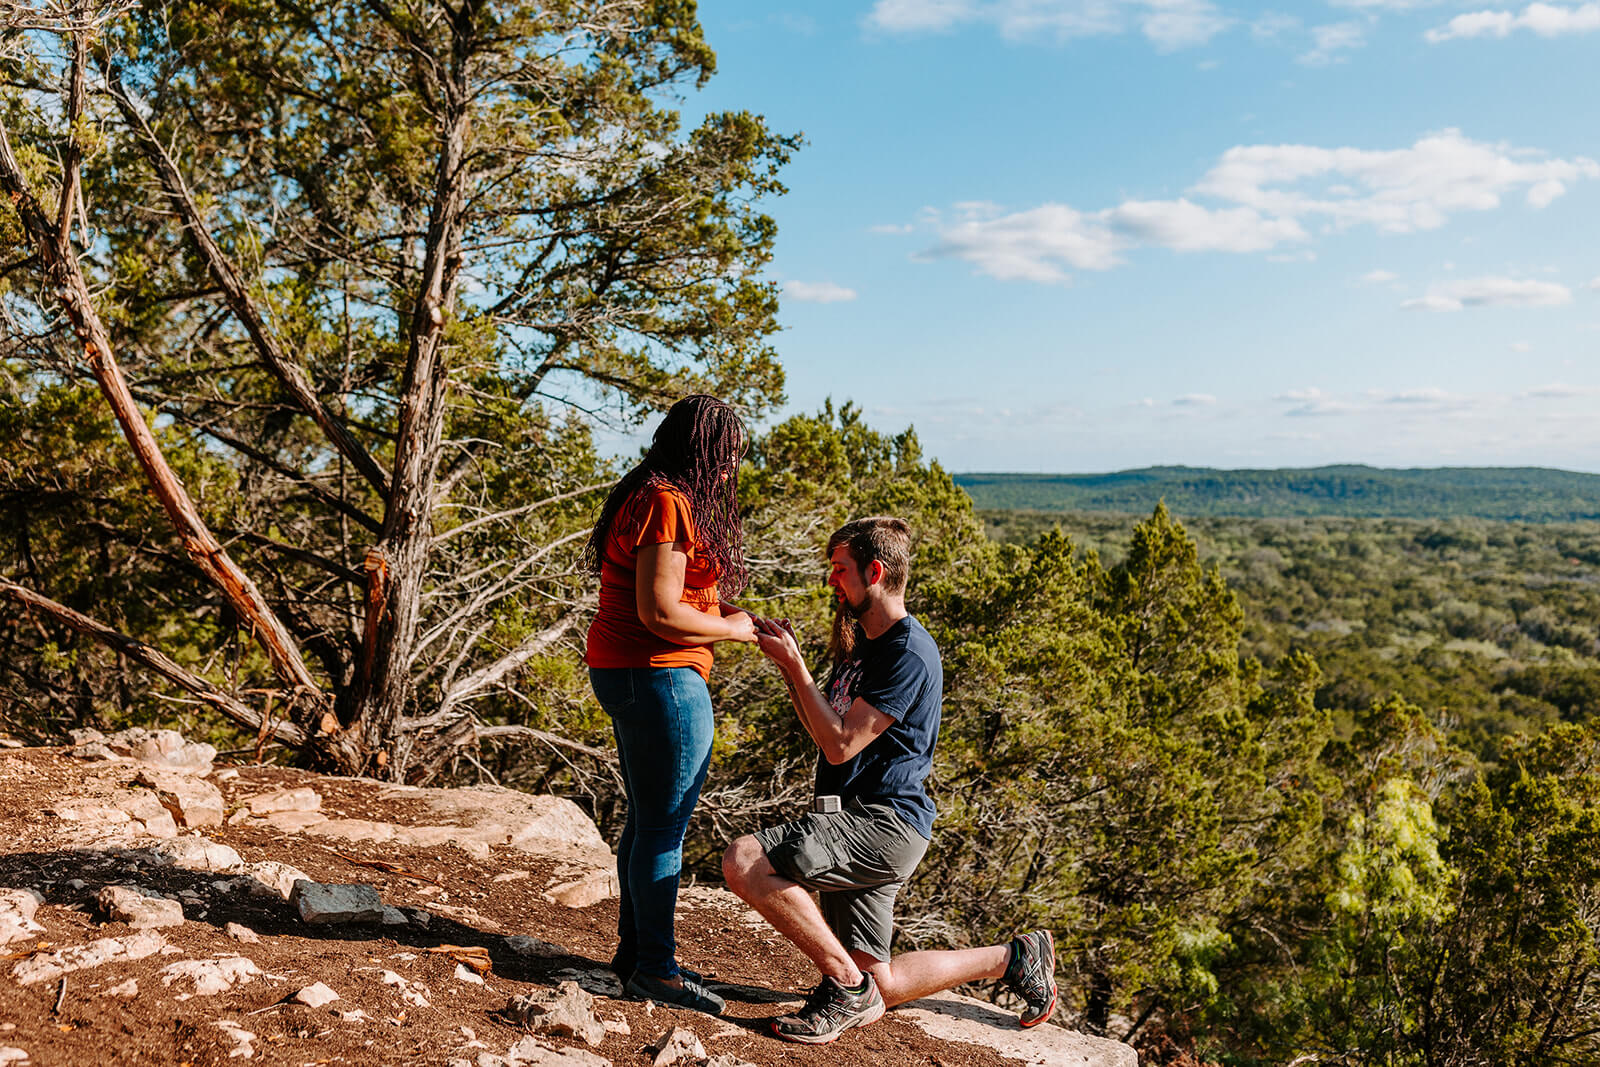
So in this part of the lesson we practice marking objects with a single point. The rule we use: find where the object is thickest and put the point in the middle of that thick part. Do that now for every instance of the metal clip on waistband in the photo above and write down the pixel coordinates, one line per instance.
(826, 804)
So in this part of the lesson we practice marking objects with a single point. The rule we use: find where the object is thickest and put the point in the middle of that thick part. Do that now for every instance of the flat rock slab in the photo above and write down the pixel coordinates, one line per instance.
(210, 977)
(320, 903)
(951, 1017)
(549, 826)
(46, 967)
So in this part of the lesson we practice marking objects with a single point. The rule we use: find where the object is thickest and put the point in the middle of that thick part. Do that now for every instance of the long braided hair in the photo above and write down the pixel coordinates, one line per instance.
(695, 450)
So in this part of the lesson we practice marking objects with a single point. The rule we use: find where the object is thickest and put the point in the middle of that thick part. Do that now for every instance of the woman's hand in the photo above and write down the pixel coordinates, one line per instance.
(743, 626)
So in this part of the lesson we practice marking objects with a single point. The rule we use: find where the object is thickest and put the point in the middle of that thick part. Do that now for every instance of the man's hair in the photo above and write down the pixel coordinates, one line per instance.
(881, 538)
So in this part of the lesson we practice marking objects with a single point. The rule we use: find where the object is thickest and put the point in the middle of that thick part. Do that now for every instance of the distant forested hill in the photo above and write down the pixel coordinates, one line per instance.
(1526, 494)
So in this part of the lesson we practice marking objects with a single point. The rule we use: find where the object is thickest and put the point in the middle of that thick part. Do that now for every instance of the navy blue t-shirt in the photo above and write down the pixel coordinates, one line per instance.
(899, 673)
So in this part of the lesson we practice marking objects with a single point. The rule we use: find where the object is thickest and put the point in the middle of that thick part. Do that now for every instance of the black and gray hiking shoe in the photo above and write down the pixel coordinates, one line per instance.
(829, 1011)
(624, 966)
(1031, 975)
(693, 995)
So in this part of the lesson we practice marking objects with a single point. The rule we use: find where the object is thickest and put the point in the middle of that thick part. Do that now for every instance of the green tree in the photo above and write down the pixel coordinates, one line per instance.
(394, 242)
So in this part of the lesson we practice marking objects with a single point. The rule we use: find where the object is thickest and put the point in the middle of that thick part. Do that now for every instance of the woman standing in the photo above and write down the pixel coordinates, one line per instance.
(668, 546)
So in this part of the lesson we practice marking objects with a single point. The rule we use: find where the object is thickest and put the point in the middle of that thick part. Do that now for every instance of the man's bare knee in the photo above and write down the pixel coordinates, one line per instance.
(744, 858)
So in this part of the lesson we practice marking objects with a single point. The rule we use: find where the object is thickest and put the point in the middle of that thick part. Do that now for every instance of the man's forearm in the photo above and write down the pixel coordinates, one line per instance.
(818, 718)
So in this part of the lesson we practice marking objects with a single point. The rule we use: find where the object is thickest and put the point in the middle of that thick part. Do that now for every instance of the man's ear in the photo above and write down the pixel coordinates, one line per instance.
(875, 572)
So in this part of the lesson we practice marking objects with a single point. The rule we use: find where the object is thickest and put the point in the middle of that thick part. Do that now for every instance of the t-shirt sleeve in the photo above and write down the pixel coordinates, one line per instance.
(664, 519)
(894, 683)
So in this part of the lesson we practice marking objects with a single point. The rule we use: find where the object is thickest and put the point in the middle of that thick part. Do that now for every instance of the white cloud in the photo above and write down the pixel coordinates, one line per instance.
(1592, 283)
(1194, 400)
(1168, 24)
(1546, 20)
(1272, 25)
(1030, 245)
(891, 228)
(1430, 395)
(1490, 292)
(1265, 196)
(1559, 391)
(818, 292)
(1188, 227)
(1396, 190)
(1522, 346)
(1330, 40)
(1301, 396)
(1379, 277)
(1386, 5)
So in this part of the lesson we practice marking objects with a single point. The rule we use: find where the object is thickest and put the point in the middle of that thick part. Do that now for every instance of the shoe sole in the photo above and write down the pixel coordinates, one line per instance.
(1055, 993)
(824, 1039)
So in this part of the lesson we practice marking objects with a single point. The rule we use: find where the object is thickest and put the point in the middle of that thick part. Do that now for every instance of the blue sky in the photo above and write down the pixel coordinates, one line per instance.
(1087, 235)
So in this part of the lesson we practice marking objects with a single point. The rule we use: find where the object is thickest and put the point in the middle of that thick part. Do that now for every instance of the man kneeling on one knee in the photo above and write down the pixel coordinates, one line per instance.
(875, 725)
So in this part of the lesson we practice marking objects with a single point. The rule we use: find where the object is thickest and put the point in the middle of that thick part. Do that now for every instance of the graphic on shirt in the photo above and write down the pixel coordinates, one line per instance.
(842, 689)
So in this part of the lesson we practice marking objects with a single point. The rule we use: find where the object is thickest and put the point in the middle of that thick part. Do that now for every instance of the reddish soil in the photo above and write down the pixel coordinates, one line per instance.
(75, 1023)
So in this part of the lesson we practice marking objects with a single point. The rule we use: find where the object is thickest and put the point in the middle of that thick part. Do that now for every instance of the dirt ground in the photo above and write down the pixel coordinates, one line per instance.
(73, 1021)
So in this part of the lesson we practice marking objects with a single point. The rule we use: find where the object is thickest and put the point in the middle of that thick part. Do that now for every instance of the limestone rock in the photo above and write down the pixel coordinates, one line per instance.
(243, 1040)
(211, 977)
(302, 798)
(677, 1046)
(598, 884)
(291, 822)
(198, 854)
(142, 909)
(269, 877)
(532, 1052)
(727, 1059)
(353, 830)
(196, 801)
(44, 967)
(242, 934)
(17, 908)
(951, 1017)
(124, 990)
(164, 748)
(12, 1055)
(568, 1011)
(494, 815)
(315, 995)
(320, 903)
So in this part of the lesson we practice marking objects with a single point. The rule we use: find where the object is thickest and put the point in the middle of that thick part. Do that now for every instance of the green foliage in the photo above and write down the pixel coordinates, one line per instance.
(1528, 494)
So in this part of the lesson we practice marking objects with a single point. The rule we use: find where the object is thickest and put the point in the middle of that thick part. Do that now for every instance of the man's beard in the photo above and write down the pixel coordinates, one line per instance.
(842, 641)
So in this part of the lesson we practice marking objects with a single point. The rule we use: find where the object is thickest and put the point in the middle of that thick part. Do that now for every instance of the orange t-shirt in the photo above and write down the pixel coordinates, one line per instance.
(617, 638)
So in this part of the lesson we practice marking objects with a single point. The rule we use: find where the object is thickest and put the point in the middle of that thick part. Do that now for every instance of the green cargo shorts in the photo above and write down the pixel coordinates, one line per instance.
(856, 861)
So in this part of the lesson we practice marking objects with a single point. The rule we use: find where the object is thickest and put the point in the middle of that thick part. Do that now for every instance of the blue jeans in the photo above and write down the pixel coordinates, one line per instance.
(661, 717)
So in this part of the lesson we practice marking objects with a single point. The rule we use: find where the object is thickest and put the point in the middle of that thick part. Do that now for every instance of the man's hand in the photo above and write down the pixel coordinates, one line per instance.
(777, 641)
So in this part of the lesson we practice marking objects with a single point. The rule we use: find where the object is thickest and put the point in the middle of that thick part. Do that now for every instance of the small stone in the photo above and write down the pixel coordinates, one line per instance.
(357, 1016)
(523, 945)
(141, 909)
(320, 903)
(211, 977)
(512, 876)
(315, 995)
(727, 1059)
(676, 1045)
(394, 917)
(243, 1040)
(12, 1055)
(619, 1025)
(271, 878)
(124, 990)
(242, 934)
(467, 974)
(566, 1012)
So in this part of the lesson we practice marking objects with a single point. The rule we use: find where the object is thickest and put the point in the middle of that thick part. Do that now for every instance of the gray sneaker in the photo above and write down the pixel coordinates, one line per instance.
(693, 995)
(1031, 975)
(829, 1011)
